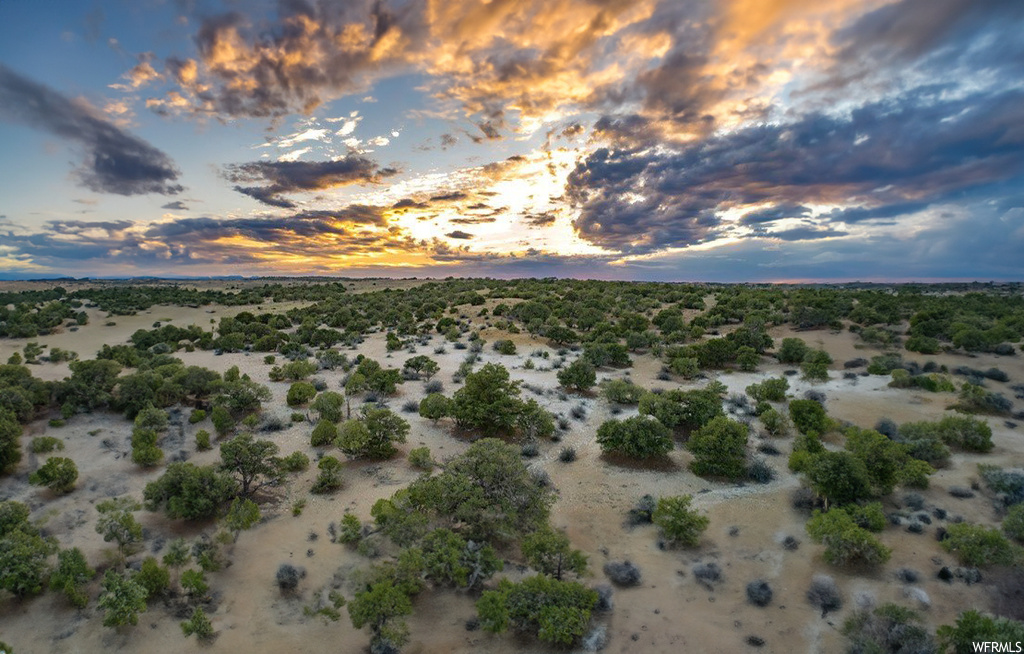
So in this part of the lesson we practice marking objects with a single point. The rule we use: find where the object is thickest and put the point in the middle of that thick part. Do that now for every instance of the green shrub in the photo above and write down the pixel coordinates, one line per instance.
(58, 474)
(295, 462)
(579, 375)
(770, 390)
(419, 457)
(123, 598)
(350, 529)
(679, 523)
(329, 479)
(815, 365)
(1013, 523)
(197, 415)
(774, 422)
(870, 516)
(973, 627)
(840, 477)
(153, 577)
(719, 448)
(554, 611)
(976, 545)
(223, 423)
(923, 344)
(198, 624)
(71, 574)
(888, 628)
(300, 393)
(203, 440)
(435, 406)
(323, 434)
(505, 347)
(685, 367)
(639, 437)
(194, 582)
(844, 541)
(621, 391)
(46, 444)
(792, 350)
(809, 417)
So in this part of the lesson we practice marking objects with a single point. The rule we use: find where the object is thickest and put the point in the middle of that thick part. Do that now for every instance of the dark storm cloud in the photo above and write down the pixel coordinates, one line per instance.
(449, 197)
(806, 233)
(279, 177)
(771, 214)
(351, 230)
(115, 161)
(900, 155)
(911, 29)
(539, 219)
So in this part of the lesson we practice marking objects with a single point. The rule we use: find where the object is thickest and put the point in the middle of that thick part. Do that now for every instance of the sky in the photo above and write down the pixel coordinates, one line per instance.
(671, 140)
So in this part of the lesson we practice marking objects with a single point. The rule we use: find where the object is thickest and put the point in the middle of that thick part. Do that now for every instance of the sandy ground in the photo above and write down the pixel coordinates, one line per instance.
(669, 612)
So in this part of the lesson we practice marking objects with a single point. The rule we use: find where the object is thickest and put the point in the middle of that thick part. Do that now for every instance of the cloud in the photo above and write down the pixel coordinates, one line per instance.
(279, 177)
(807, 233)
(530, 57)
(177, 205)
(458, 234)
(115, 161)
(922, 150)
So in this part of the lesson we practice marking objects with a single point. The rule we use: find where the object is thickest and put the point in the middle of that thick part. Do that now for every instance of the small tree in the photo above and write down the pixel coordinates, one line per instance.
(72, 573)
(770, 390)
(639, 437)
(154, 577)
(422, 366)
(435, 406)
(679, 523)
(189, 491)
(223, 423)
(324, 434)
(621, 391)
(300, 393)
(382, 607)
(254, 461)
(117, 524)
(792, 350)
(720, 448)
(976, 545)
(199, 624)
(809, 417)
(242, 515)
(555, 611)
(548, 551)
(329, 479)
(579, 375)
(330, 406)
(450, 560)
(383, 428)
(123, 599)
(194, 582)
(178, 554)
(815, 365)
(534, 421)
(839, 477)
(488, 400)
(844, 541)
(58, 474)
(1013, 523)
(419, 457)
(10, 440)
